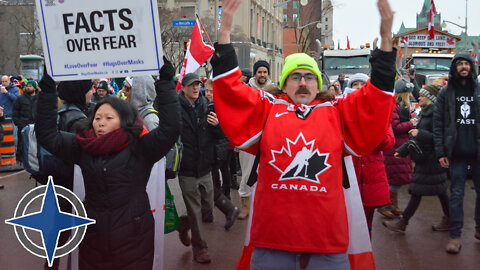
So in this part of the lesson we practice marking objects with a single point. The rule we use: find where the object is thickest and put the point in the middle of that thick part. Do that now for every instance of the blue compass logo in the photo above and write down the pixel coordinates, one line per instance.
(50, 221)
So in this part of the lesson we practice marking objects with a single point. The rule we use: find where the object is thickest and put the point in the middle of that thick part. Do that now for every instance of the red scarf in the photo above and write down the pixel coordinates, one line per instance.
(112, 142)
(107, 144)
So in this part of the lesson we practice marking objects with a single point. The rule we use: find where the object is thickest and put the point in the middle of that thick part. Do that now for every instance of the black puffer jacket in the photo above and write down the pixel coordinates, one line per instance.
(198, 138)
(444, 125)
(24, 109)
(429, 178)
(115, 187)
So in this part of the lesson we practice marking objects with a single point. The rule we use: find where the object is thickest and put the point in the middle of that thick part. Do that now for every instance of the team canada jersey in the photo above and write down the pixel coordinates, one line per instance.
(299, 203)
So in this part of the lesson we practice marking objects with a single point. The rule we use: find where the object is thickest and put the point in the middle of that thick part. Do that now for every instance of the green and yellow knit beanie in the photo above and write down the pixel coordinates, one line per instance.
(300, 61)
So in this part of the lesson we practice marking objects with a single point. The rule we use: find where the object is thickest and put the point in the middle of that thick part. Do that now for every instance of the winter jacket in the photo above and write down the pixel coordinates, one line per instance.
(299, 202)
(399, 171)
(343, 85)
(24, 109)
(198, 138)
(7, 99)
(142, 98)
(253, 83)
(429, 178)
(115, 187)
(444, 117)
(371, 175)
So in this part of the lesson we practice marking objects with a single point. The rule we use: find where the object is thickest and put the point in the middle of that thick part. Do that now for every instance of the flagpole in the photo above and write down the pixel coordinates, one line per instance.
(201, 24)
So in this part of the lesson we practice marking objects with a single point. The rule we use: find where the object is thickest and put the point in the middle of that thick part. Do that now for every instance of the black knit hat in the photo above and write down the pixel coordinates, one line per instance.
(430, 91)
(73, 92)
(261, 63)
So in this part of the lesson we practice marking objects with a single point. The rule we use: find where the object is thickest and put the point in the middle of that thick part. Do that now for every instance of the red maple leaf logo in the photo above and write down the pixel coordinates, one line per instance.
(450, 41)
(404, 39)
(299, 160)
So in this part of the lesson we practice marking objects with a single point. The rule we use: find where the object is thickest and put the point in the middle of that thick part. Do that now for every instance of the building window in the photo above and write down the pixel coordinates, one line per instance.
(285, 5)
(285, 18)
(251, 23)
(295, 4)
(294, 17)
(326, 26)
(188, 12)
(263, 28)
(326, 19)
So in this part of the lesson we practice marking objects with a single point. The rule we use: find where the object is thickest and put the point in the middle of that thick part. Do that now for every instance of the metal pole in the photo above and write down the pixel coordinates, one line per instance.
(466, 35)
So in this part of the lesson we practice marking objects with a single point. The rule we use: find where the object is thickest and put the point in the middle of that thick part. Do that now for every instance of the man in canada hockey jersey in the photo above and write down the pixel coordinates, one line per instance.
(299, 215)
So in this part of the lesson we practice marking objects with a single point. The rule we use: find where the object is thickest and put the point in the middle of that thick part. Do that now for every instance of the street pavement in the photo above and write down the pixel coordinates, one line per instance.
(419, 248)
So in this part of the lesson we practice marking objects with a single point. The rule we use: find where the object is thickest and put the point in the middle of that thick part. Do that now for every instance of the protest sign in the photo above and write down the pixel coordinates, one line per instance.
(86, 39)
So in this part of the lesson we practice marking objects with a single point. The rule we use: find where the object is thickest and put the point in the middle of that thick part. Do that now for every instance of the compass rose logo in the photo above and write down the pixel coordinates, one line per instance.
(50, 221)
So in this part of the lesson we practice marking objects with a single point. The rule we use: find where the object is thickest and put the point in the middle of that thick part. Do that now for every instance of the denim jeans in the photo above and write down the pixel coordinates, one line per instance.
(272, 259)
(458, 175)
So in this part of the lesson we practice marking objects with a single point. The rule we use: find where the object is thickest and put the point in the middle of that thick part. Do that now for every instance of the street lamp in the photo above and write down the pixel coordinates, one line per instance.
(461, 26)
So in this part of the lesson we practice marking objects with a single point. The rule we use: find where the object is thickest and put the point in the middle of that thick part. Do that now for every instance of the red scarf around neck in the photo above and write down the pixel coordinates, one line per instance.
(107, 144)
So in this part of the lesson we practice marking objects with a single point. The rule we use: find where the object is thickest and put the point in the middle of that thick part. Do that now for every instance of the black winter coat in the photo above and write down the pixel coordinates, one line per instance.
(198, 138)
(24, 109)
(429, 178)
(444, 124)
(115, 187)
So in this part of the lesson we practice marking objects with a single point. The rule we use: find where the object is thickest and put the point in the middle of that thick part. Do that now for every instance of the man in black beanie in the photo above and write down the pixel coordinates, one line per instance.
(456, 132)
(261, 74)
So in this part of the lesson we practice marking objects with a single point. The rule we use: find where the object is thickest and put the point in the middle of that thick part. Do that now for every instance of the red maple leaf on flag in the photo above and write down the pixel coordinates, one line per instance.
(404, 39)
(299, 159)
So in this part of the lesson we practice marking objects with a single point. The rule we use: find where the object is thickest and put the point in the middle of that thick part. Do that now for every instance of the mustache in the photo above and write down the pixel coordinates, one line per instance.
(302, 90)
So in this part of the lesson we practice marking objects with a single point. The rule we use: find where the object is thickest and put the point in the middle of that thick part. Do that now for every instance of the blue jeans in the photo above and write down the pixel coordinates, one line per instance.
(272, 259)
(458, 175)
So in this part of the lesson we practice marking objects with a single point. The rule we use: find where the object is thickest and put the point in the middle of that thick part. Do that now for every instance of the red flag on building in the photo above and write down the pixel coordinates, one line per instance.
(197, 53)
(348, 44)
(431, 21)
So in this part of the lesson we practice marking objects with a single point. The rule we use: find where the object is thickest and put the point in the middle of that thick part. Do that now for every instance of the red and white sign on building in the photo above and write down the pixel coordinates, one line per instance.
(423, 41)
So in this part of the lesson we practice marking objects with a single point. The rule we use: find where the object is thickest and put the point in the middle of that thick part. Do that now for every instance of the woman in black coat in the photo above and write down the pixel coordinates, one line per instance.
(116, 155)
(429, 178)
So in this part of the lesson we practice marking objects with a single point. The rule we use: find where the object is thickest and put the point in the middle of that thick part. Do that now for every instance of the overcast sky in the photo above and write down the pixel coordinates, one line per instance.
(359, 19)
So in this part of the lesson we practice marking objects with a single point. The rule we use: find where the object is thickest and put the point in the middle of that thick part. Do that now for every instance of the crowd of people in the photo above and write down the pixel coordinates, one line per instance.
(117, 130)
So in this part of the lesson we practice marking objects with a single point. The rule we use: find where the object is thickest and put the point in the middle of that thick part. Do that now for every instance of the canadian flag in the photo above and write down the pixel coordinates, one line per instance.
(197, 53)
(431, 21)
(360, 254)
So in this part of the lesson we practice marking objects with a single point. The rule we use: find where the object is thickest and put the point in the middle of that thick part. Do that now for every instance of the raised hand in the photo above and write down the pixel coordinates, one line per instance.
(386, 21)
(228, 10)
